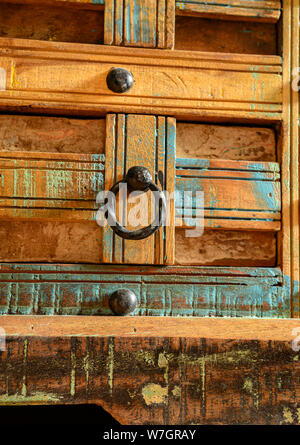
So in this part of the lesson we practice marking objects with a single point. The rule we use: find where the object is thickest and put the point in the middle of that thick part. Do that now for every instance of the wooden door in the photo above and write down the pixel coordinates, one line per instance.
(213, 109)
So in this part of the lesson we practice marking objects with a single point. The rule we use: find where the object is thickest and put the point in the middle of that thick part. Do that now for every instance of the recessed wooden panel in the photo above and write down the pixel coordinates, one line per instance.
(52, 134)
(197, 140)
(51, 76)
(42, 22)
(226, 248)
(199, 34)
(47, 241)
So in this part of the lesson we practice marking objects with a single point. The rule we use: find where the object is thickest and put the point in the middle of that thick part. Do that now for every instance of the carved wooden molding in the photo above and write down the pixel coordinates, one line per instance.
(48, 76)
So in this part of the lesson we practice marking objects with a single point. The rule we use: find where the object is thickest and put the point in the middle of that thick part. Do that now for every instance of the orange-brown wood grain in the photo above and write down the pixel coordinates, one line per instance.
(69, 77)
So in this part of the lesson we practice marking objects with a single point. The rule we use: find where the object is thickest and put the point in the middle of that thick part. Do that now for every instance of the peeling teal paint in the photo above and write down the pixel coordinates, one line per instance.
(84, 290)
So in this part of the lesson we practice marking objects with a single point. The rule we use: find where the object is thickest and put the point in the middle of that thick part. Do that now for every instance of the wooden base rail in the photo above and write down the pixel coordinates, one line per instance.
(199, 371)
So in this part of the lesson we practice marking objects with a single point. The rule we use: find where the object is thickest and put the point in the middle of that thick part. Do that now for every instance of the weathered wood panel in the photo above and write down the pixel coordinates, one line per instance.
(227, 248)
(236, 194)
(197, 140)
(64, 187)
(50, 76)
(51, 242)
(199, 34)
(258, 10)
(148, 372)
(74, 242)
(51, 134)
(288, 252)
(148, 141)
(51, 23)
(142, 23)
(50, 186)
(172, 291)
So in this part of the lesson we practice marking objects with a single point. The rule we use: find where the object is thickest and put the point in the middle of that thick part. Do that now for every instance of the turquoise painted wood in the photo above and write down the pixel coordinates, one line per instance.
(64, 187)
(162, 291)
(248, 194)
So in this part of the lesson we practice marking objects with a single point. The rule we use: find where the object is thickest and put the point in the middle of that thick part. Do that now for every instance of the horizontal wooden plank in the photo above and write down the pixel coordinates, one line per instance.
(204, 372)
(239, 195)
(69, 77)
(65, 290)
(150, 327)
(236, 194)
(257, 10)
(82, 4)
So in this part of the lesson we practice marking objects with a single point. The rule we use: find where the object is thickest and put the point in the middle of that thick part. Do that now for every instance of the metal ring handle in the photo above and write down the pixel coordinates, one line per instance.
(138, 178)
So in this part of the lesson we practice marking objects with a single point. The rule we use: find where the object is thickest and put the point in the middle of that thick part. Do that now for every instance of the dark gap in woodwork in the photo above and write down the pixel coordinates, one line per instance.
(198, 34)
(85, 414)
(52, 23)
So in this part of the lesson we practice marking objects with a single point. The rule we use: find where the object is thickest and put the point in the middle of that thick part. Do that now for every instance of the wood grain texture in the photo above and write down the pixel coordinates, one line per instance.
(249, 10)
(52, 242)
(148, 141)
(168, 291)
(289, 242)
(226, 247)
(140, 23)
(81, 4)
(51, 23)
(294, 160)
(197, 140)
(51, 134)
(50, 76)
(64, 187)
(199, 34)
(54, 186)
(203, 372)
(57, 242)
(236, 194)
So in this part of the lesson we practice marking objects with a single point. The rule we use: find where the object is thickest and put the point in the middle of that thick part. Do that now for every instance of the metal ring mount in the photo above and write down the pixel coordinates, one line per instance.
(138, 178)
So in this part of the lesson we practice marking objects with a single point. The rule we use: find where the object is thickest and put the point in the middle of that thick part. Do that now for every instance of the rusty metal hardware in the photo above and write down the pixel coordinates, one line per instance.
(122, 302)
(119, 80)
(138, 178)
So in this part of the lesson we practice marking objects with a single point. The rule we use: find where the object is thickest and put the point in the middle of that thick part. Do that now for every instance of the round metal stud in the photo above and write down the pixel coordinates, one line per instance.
(122, 302)
(119, 80)
(138, 178)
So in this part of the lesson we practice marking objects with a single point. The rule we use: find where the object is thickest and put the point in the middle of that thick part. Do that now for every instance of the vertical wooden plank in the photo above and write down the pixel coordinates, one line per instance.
(160, 181)
(285, 253)
(120, 159)
(110, 150)
(109, 20)
(140, 150)
(119, 18)
(170, 24)
(289, 251)
(147, 141)
(141, 23)
(294, 162)
(170, 186)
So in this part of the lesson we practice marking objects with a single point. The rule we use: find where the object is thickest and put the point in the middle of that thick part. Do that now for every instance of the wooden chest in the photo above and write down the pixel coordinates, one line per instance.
(204, 95)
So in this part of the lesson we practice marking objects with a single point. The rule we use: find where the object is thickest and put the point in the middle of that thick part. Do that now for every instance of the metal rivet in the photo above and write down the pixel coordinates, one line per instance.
(119, 80)
(123, 302)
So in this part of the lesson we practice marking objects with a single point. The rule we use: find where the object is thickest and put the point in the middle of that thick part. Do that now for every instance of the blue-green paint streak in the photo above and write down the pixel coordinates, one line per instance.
(46, 291)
